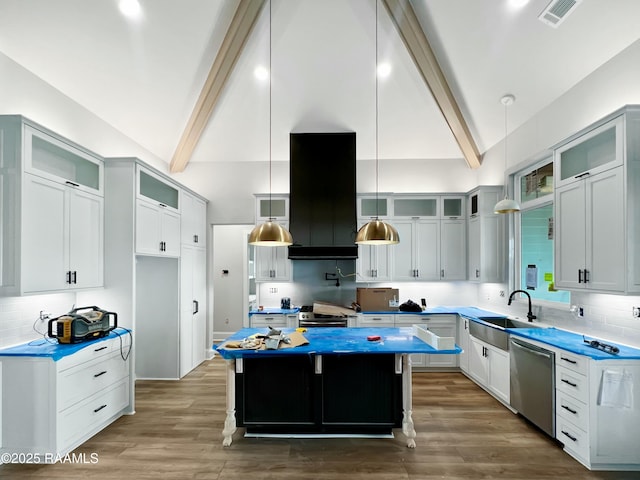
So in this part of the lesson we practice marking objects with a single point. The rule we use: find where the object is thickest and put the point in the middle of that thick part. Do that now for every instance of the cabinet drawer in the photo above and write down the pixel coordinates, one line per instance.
(408, 319)
(574, 439)
(572, 410)
(276, 321)
(82, 419)
(376, 320)
(572, 383)
(576, 363)
(92, 351)
(83, 381)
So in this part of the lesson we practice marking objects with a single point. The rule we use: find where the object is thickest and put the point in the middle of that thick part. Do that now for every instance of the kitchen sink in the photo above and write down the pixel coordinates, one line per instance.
(509, 322)
(498, 337)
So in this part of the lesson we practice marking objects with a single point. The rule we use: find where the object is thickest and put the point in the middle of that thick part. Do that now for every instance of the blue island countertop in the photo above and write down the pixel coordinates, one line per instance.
(329, 341)
(50, 348)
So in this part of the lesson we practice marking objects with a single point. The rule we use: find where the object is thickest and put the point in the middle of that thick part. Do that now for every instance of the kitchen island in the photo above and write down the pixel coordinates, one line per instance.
(338, 384)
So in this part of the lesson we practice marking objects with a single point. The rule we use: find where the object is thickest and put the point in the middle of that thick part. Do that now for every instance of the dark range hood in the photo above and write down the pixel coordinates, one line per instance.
(322, 208)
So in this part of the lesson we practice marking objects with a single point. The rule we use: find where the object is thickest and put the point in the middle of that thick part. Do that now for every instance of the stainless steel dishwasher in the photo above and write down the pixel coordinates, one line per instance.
(533, 392)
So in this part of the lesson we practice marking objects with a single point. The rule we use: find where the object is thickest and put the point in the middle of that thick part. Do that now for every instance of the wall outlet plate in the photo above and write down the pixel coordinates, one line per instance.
(636, 312)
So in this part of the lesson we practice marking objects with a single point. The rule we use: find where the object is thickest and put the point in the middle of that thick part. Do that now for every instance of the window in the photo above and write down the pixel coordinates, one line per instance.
(535, 233)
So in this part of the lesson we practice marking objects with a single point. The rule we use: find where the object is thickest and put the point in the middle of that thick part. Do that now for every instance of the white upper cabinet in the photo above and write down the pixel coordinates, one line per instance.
(415, 207)
(416, 256)
(272, 264)
(486, 252)
(597, 229)
(372, 206)
(275, 207)
(52, 220)
(194, 220)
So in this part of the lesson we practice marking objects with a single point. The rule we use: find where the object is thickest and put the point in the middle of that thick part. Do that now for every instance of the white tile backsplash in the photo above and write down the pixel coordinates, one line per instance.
(608, 317)
(18, 315)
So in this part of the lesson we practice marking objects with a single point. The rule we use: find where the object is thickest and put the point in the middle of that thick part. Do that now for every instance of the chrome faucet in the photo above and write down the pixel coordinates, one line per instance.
(530, 314)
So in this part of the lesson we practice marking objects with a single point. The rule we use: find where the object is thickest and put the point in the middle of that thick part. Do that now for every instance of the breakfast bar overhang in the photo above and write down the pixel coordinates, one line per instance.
(341, 383)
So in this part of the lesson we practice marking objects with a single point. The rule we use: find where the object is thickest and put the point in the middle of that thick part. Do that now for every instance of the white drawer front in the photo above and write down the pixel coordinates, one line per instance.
(85, 380)
(376, 320)
(83, 418)
(576, 363)
(572, 383)
(572, 410)
(574, 439)
(276, 321)
(91, 351)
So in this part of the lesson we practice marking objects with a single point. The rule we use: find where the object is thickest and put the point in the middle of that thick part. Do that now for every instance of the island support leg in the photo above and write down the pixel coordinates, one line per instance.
(407, 402)
(230, 420)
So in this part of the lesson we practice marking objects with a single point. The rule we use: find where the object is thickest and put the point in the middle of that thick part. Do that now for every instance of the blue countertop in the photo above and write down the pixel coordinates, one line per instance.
(555, 337)
(328, 341)
(275, 311)
(50, 348)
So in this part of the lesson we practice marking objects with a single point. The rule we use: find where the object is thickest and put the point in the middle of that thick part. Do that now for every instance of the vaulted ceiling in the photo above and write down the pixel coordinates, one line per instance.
(144, 76)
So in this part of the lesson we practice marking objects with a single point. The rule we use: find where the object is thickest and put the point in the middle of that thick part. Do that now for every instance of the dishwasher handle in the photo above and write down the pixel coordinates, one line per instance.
(531, 348)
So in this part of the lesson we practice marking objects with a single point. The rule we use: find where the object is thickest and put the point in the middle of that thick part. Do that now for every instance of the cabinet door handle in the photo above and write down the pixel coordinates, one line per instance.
(465, 325)
(196, 308)
(75, 277)
(96, 410)
(477, 273)
(569, 383)
(162, 205)
(417, 273)
(582, 175)
(569, 409)
(442, 273)
(569, 435)
(72, 183)
(195, 239)
(579, 276)
(99, 374)
(568, 360)
(68, 275)
(586, 275)
(99, 348)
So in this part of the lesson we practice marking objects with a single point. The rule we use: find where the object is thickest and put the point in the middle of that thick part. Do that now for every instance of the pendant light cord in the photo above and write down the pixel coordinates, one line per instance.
(270, 119)
(376, 75)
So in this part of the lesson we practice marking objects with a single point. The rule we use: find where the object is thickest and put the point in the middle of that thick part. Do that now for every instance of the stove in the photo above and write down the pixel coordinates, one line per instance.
(306, 318)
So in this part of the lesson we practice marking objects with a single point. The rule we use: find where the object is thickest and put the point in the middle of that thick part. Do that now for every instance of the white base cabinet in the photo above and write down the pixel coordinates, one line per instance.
(193, 308)
(489, 367)
(65, 402)
(597, 416)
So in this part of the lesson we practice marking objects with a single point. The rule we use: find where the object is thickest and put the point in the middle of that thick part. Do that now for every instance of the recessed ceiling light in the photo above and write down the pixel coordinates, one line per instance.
(261, 73)
(130, 8)
(384, 70)
(518, 3)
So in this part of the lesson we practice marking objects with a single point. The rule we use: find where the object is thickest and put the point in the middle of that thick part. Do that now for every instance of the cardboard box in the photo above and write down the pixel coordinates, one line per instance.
(378, 299)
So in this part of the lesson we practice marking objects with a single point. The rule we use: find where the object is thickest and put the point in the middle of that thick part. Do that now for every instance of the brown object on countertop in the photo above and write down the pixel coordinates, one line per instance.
(330, 309)
(377, 299)
(296, 339)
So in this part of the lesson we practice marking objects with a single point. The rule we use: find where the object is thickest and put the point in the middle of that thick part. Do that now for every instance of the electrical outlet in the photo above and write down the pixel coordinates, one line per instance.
(502, 293)
(580, 312)
(273, 290)
(44, 315)
(636, 312)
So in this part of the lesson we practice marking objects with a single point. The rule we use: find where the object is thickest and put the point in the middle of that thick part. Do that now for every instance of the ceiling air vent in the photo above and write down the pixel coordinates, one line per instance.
(557, 11)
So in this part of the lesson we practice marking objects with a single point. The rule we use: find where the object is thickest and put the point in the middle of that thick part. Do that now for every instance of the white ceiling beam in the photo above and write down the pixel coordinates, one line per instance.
(408, 26)
(234, 41)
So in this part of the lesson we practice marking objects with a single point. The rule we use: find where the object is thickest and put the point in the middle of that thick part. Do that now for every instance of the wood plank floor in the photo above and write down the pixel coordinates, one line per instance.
(463, 433)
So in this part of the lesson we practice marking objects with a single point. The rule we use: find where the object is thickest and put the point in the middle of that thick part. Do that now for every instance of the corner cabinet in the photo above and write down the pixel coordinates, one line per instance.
(597, 217)
(486, 252)
(52, 219)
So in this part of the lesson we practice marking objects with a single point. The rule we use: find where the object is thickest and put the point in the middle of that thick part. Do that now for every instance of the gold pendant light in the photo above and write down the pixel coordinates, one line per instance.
(377, 232)
(506, 205)
(270, 234)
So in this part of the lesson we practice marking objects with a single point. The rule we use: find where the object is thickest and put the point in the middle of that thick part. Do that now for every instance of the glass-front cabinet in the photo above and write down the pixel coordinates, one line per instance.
(591, 153)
